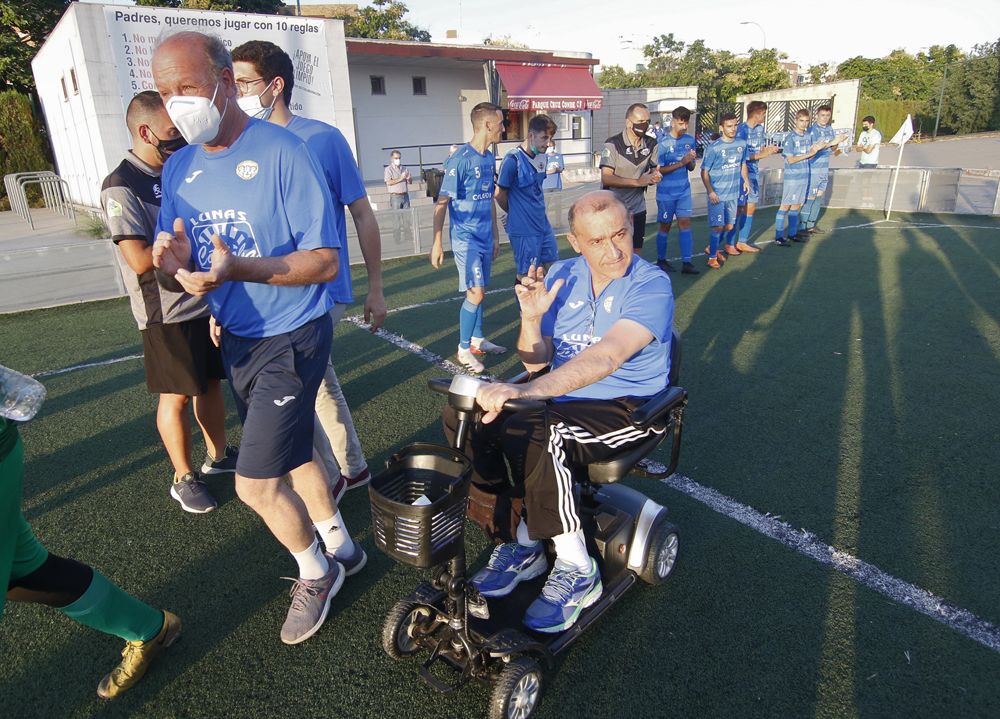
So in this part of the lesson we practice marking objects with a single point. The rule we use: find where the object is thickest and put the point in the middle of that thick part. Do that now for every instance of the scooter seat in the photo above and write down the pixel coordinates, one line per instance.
(618, 468)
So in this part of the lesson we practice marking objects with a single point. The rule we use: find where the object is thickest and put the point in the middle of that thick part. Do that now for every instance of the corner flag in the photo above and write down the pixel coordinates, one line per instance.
(904, 133)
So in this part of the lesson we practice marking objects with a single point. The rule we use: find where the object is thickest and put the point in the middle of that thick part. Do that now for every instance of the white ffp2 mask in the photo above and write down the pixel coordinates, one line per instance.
(196, 117)
(251, 105)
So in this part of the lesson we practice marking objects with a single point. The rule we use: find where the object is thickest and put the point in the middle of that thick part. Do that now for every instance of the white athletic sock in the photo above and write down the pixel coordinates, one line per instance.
(572, 549)
(522, 535)
(312, 563)
(334, 534)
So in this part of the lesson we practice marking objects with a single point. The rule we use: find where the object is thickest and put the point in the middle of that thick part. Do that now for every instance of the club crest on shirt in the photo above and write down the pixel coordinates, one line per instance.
(247, 170)
(114, 208)
(238, 234)
(608, 302)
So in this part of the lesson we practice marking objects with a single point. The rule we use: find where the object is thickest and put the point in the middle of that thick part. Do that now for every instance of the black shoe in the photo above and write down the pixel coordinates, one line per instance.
(665, 266)
(689, 269)
(799, 238)
(783, 242)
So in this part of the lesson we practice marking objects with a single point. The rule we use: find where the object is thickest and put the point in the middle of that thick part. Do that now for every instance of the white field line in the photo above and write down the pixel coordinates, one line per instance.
(868, 575)
(87, 365)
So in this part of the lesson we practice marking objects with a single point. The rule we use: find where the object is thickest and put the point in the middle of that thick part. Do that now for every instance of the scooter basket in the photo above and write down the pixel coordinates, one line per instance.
(422, 535)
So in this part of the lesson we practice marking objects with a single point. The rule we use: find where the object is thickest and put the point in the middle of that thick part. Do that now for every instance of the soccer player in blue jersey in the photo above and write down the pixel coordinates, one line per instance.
(467, 193)
(519, 194)
(601, 322)
(265, 78)
(753, 132)
(819, 167)
(797, 149)
(676, 157)
(247, 221)
(724, 172)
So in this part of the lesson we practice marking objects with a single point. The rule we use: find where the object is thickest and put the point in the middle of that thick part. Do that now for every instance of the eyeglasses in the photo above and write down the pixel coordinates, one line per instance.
(244, 85)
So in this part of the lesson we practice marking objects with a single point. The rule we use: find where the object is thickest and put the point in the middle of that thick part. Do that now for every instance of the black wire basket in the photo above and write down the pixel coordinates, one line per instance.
(430, 532)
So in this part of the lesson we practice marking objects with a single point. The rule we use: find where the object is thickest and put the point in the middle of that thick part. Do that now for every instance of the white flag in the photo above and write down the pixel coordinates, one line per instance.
(904, 133)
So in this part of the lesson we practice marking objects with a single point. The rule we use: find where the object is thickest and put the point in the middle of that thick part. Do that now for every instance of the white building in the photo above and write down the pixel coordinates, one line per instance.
(416, 97)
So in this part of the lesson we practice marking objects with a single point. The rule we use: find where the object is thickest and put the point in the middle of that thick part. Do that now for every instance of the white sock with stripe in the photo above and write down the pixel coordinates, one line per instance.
(572, 549)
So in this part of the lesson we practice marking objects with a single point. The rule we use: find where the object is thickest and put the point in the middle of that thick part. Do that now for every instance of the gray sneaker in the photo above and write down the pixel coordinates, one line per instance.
(192, 493)
(352, 563)
(218, 466)
(310, 604)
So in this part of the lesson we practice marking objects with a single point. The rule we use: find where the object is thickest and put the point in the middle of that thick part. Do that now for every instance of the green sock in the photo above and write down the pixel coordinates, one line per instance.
(108, 608)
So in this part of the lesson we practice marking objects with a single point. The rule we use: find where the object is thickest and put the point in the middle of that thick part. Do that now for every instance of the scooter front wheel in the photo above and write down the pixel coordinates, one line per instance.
(397, 640)
(517, 691)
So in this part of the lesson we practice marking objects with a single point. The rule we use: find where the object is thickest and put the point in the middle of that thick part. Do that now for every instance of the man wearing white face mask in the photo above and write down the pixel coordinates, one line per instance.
(263, 64)
(397, 179)
(257, 186)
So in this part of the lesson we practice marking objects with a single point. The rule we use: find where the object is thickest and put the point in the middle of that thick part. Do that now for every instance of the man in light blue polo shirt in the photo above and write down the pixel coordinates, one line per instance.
(247, 221)
(519, 194)
(602, 322)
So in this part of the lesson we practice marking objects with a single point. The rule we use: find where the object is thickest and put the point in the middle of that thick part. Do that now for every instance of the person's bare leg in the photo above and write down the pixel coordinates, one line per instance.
(282, 509)
(210, 413)
(174, 426)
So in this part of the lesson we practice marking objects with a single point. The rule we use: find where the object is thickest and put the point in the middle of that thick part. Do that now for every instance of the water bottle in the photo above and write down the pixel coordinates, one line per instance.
(20, 396)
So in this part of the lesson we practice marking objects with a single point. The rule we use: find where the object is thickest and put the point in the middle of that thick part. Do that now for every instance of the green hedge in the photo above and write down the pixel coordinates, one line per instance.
(890, 114)
(22, 148)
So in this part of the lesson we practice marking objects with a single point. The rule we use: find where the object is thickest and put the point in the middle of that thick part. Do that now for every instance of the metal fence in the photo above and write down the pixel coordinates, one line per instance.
(79, 270)
(55, 194)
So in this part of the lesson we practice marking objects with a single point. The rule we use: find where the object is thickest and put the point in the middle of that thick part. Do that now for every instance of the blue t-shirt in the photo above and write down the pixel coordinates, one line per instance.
(724, 161)
(818, 133)
(796, 144)
(265, 197)
(468, 183)
(553, 181)
(329, 146)
(755, 138)
(672, 149)
(522, 176)
(576, 320)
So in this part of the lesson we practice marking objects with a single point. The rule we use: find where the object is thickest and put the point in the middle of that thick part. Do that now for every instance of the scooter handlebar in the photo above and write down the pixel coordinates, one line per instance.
(443, 386)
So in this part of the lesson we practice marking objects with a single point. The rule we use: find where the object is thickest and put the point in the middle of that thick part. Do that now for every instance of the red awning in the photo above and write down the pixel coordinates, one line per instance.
(549, 87)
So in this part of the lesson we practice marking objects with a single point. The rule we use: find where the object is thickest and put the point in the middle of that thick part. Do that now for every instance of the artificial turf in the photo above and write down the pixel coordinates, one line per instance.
(847, 385)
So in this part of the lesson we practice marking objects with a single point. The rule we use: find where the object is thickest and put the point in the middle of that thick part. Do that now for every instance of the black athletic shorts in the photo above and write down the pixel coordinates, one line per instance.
(274, 382)
(638, 229)
(180, 358)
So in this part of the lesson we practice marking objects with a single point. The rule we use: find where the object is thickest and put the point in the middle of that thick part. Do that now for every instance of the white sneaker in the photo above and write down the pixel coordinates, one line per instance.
(469, 361)
(484, 347)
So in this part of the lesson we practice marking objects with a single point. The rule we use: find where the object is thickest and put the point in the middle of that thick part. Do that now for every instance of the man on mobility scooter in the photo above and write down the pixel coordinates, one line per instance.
(601, 323)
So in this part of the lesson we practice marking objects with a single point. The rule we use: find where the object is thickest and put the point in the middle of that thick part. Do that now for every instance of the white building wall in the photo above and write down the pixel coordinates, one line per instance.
(844, 94)
(400, 118)
(87, 130)
(610, 120)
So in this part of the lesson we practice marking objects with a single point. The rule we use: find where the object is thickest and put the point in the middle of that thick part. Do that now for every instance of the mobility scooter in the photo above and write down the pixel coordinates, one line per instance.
(418, 518)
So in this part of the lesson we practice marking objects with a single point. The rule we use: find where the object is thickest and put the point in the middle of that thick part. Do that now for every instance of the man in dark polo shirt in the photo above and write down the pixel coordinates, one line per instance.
(628, 167)
(182, 364)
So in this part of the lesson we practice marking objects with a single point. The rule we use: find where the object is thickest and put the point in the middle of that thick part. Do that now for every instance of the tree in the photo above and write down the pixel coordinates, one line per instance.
(262, 7)
(818, 72)
(23, 28)
(971, 98)
(21, 145)
(897, 76)
(383, 19)
(615, 76)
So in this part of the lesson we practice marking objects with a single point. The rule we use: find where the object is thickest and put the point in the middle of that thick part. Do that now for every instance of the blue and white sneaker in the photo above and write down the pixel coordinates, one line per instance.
(567, 592)
(509, 564)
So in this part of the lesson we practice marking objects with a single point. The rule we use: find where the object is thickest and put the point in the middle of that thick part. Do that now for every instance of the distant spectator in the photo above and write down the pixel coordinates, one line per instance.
(628, 167)
(868, 142)
(554, 166)
(397, 179)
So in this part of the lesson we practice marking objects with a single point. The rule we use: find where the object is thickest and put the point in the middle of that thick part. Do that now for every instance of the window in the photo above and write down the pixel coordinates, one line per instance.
(62, 81)
(378, 85)
(577, 123)
(419, 85)
(515, 125)
(72, 78)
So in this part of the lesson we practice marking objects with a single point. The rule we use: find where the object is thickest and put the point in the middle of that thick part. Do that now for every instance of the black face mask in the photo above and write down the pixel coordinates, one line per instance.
(166, 148)
(639, 128)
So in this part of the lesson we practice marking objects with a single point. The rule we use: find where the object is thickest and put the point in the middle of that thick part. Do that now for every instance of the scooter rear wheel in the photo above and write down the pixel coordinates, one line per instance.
(661, 556)
(517, 691)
